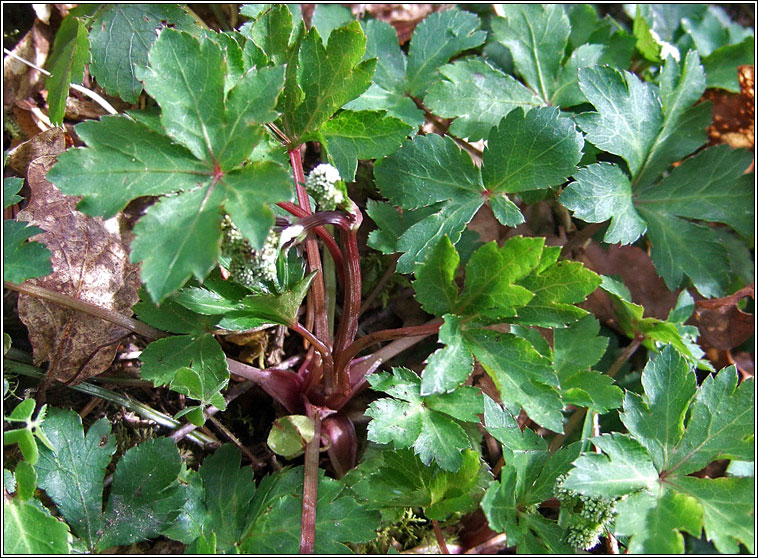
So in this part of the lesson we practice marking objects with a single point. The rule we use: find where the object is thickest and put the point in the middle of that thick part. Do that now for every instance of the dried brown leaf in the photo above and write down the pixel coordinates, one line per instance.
(90, 263)
(403, 17)
(721, 322)
(19, 80)
(734, 113)
(637, 272)
(49, 142)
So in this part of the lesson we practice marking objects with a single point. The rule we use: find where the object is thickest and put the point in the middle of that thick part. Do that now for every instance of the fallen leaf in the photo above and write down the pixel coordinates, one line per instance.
(403, 17)
(52, 141)
(734, 113)
(720, 321)
(90, 263)
(19, 80)
(637, 272)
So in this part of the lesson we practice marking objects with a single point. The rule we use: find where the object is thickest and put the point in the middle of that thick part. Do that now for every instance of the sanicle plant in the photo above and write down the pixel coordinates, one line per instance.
(246, 232)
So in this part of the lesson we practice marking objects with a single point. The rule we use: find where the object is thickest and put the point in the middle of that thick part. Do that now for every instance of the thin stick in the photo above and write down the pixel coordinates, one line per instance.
(83, 90)
(115, 398)
(254, 460)
(358, 345)
(111, 316)
(310, 484)
(440, 539)
(211, 410)
(380, 285)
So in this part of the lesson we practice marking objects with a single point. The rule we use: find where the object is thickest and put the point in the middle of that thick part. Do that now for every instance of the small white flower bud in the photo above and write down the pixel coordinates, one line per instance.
(321, 184)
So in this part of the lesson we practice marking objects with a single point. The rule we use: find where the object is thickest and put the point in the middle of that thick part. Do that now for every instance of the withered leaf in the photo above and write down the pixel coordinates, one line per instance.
(637, 272)
(720, 321)
(47, 142)
(734, 113)
(90, 263)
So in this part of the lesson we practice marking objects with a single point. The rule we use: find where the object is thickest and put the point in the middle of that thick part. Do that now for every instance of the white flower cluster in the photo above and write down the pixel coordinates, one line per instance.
(321, 184)
(247, 266)
(589, 515)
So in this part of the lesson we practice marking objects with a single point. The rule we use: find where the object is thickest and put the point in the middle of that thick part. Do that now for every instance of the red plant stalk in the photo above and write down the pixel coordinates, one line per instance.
(317, 293)
(310, 479)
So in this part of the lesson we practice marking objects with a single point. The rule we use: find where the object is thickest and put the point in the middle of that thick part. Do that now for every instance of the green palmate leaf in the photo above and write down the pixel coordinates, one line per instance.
(527, 478)
(29, 530)
(489, 292)
(275, 517)
(328, 17)
(391, 224)
(431, 170)
(576, 348)
(556, 289)
(655, 522)
(448, 367)
(478, 96)
(504, 428)
(397, 76)
(70, 54)
(11, 187)
(188, 223)
(353, 135)
(72, 475)
(720, 426)
(210, 107)
(726, 502)
(624, 469)
(711, 186)
(145, 496)
(136, 25)
(434, 285)
(567, 92)
(657, 418)
(398, 478)
(146, 162)
(227, 492)
(329, 77)
(657, 333)
(23, 260)
(428, 424)
(722, 64)
(501, 284)
(166, 361)
(600, 192)
(426, 171)
(672, 129)
(670, 436)
(523, 377)
(435, 40)
(531, 151)
(687, 249)
(271, 29)
(191, 95)
(618, 127)
(536, 36)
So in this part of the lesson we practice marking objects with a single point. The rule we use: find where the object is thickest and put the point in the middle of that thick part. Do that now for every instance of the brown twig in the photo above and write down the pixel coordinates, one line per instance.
(438, 535)
(126, 322)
